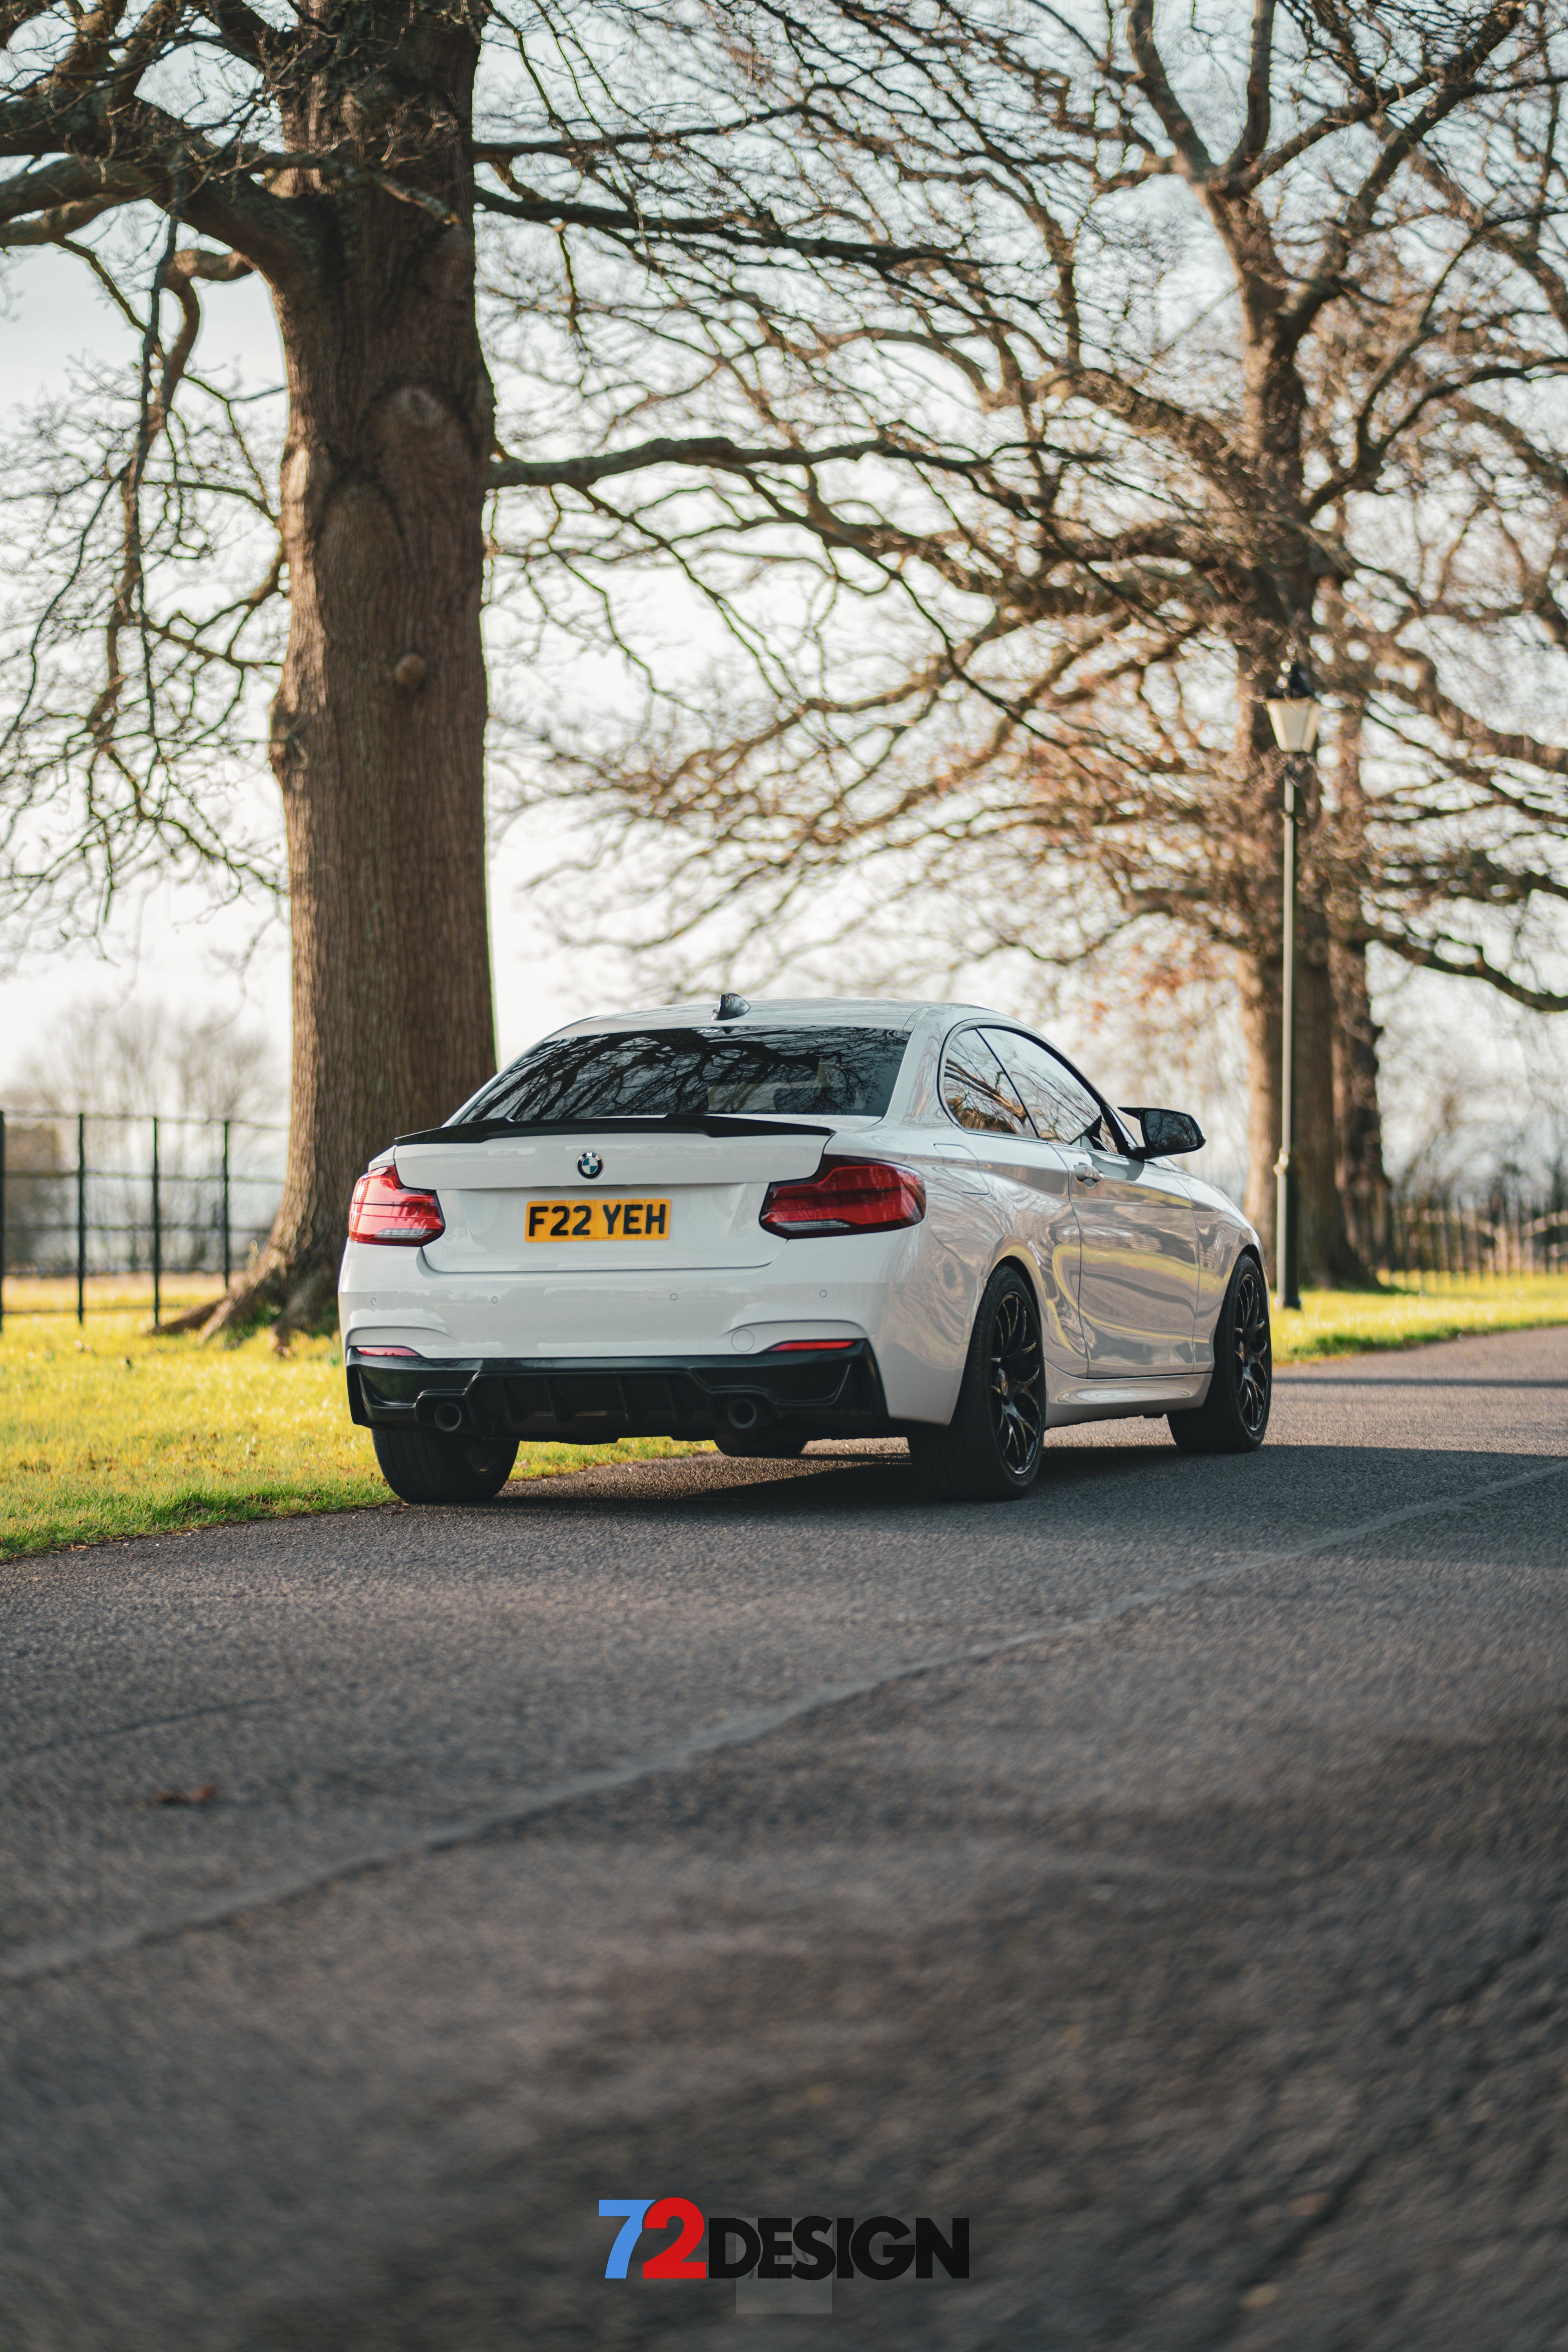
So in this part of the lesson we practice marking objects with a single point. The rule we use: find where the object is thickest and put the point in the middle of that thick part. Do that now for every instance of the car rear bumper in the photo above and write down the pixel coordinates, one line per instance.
(594, 1401)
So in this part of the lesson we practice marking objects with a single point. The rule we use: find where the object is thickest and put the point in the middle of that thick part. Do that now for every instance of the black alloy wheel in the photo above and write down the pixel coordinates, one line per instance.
(989, 1451)
(1253, 1350)
(424, 1466)
(1234, 1417)
(1015, 1381)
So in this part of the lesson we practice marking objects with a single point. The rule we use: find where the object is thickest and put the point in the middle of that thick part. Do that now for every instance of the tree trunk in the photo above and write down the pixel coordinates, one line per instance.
(1329, 1260)
(1358, 1119)
(1359, 1172)
(378, 726)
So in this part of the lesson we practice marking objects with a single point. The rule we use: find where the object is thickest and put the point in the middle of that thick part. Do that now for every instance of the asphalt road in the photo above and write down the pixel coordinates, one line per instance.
(1168, 1873)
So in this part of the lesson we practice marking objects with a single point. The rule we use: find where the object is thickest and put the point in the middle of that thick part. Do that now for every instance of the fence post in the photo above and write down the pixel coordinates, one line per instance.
(157, 1238)
(225, 1251)
(80, 1217)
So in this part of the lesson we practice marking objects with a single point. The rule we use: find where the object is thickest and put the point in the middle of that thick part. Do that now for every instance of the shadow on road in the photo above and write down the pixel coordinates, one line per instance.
(1280, 1498)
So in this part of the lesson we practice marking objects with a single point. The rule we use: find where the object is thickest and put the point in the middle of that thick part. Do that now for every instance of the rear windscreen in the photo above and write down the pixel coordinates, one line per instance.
(664, 1073)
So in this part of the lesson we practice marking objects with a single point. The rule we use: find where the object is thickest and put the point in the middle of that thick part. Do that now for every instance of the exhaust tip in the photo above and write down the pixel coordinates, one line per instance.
(449, 1418)
(743, 1413)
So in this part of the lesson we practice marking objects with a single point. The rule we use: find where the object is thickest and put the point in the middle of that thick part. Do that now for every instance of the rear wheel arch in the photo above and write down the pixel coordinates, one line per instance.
(990, 1450)
(1018, 1254)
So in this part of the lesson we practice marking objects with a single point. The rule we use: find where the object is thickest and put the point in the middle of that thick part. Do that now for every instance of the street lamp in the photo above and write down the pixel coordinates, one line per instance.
(1293, 714)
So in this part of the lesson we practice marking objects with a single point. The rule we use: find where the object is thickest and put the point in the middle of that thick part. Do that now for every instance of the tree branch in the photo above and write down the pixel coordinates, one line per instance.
(1255, 132)
(247, 34)
(1459, 961)
(1196, 163)
(139, 152)
(710, 449)
(650, 228)
(1458, 83)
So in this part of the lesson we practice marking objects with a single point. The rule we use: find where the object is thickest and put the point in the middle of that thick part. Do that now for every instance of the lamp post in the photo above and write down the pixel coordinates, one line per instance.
(1293, 714)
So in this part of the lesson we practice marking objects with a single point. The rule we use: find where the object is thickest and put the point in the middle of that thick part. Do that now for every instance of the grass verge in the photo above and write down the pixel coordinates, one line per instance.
(1352, 1322)
(105, 1433)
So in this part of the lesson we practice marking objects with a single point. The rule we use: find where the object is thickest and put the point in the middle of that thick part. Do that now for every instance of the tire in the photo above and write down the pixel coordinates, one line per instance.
(784, 1445)
(424, 1466)
(990, 1450)
(1234, 1416)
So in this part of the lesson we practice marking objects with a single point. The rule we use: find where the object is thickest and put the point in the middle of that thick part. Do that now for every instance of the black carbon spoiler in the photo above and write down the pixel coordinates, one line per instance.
(714, 1123)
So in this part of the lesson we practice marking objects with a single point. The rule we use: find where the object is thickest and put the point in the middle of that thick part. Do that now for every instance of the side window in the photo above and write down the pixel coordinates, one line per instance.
(977, 1090)
(1060, 1105)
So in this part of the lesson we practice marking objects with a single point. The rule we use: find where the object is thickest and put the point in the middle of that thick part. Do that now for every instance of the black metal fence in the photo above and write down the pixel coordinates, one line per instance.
(1434, 1238)
(105, 1193)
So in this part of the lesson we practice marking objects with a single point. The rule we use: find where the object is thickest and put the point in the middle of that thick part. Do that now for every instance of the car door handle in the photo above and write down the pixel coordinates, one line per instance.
(1086, 1172)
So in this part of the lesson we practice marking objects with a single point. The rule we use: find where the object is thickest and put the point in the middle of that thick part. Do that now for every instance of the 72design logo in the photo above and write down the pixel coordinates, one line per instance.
(777, 2246)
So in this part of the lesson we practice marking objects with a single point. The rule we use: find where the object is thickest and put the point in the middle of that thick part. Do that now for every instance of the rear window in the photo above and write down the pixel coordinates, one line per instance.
(691, 1073)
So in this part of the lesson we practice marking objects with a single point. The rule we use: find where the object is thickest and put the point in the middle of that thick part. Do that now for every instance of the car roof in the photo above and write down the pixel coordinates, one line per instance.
(782, 1013)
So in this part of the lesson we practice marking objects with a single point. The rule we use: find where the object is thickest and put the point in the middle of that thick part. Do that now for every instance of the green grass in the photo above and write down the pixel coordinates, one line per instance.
(105, 1433)
(1350, 1322)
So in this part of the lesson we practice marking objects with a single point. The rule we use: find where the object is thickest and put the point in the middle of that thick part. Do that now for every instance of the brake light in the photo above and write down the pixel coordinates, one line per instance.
(814, 1347)
(845, 1196)
(411, 1353)
(383, 1210)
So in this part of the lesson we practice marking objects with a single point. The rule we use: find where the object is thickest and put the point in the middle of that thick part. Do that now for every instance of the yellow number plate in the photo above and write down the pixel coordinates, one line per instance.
(598, 1221)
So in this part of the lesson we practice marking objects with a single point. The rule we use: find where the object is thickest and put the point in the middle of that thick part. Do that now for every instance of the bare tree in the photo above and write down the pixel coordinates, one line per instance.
(337, 153)
(135, 1060)
(1225, 350)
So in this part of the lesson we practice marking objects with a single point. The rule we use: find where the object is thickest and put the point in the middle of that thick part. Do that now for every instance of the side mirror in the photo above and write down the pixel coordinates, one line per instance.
(1166, 1131)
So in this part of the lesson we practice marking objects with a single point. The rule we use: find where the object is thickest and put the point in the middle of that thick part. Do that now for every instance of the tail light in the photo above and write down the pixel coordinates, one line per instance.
(810, 1347)
(845, 1196)
(383, 1210)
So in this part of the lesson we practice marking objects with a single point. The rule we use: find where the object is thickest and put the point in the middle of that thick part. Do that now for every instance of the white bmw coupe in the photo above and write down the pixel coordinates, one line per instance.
(765, 1223)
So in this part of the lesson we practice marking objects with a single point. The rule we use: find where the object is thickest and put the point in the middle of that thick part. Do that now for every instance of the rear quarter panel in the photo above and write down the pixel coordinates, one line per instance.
(935, 1277)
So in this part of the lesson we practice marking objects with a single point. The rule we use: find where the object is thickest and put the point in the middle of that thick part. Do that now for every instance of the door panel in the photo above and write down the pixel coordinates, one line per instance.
(1137, 1289)
(1138, 1277)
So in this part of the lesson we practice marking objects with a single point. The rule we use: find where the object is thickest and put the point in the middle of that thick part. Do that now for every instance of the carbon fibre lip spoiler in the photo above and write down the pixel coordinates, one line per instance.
(714, 1123)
